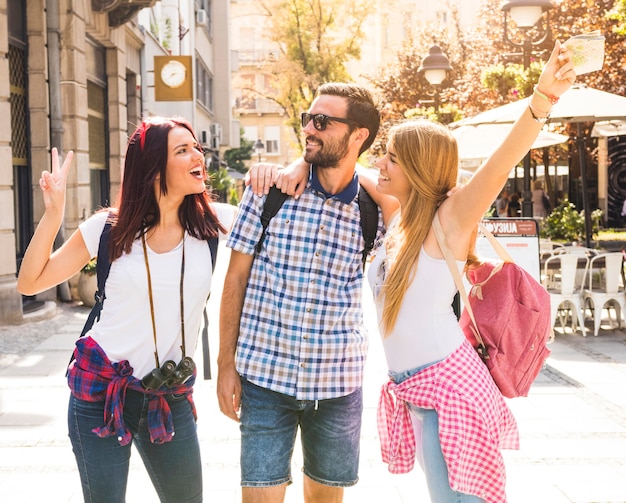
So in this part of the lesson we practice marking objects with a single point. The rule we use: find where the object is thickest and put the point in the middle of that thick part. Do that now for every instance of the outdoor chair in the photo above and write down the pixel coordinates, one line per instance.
(564, 284)
(604, 289)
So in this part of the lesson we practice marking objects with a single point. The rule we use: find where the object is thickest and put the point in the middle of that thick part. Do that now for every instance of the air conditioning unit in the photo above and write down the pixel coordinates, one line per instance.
(216, 135)
(216, 129)
(202, 17)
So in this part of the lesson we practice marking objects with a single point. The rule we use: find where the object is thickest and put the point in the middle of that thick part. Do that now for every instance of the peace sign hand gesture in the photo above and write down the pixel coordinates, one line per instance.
(53, 183)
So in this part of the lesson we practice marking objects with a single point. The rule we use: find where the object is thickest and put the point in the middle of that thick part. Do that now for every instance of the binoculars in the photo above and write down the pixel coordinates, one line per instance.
(169, 374)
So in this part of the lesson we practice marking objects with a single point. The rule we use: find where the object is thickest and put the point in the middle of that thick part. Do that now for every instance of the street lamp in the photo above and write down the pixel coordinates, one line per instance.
(259, 148)
(526, 14)
(435, 68)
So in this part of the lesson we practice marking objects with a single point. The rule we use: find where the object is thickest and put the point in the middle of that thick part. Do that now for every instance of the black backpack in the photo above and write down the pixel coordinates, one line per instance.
(103, 266)
(367, 207)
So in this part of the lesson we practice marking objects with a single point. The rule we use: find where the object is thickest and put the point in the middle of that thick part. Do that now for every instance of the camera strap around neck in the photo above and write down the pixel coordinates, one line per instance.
(182, 303)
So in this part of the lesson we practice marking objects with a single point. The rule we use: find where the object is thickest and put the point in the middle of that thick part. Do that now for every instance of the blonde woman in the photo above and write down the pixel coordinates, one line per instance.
(448, 413)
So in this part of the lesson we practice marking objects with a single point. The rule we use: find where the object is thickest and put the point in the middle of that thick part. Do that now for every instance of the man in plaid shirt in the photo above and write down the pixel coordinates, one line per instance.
(292, 340)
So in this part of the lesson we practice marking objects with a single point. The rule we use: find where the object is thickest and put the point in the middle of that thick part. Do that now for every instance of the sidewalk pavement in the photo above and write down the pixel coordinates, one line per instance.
(572, 426)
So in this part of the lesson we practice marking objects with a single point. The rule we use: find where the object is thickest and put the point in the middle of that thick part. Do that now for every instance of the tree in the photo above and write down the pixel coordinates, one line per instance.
(221, 183)
(234, 157)
(618, 13)
(315, 40)
(487, 71)
(569, 18)
(405, 93)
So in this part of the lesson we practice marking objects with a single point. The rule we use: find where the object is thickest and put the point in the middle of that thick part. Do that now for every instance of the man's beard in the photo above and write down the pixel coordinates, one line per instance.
(329, 153)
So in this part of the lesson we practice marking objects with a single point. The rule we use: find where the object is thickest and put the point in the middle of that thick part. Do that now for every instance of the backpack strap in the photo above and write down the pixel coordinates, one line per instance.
(442, 240)
(367, 209)
(274, 200)
(369, 221)
(206, 354)
(213, 246)
(103, 266)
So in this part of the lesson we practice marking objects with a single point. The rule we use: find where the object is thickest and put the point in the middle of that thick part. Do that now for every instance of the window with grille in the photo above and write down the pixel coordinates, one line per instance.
(272, 139)
(204, 86)
(22, 171)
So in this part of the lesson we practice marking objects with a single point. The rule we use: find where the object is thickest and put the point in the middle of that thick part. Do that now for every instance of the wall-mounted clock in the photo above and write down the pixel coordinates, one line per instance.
(173, 74)
(173, 79)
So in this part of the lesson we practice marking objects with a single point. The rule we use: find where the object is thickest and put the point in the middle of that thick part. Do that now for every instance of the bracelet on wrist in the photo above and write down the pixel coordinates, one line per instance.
(551, 98)
(538, 118)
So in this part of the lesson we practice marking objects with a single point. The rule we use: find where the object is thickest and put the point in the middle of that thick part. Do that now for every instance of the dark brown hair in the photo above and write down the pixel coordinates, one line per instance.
(137, 208)
(361, 107)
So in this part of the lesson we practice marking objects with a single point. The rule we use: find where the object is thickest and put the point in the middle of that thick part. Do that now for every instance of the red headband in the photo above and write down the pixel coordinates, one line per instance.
(142, 134)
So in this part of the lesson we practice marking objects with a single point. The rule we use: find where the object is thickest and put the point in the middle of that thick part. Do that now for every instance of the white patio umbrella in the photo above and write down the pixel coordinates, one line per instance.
(479, 142)
(578, 104)
(609, 128)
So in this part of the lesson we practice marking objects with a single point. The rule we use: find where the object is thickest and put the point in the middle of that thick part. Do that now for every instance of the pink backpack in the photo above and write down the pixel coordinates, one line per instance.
(506, 317)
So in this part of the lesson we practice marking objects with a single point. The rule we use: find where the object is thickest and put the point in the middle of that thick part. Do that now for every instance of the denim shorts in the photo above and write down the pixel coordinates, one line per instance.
(330, 432)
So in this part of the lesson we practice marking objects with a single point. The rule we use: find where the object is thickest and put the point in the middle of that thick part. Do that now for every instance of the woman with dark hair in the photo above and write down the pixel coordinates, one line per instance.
(132, 377)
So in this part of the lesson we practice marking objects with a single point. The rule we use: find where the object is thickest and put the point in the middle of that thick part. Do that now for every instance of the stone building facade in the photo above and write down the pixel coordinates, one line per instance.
(78, 75)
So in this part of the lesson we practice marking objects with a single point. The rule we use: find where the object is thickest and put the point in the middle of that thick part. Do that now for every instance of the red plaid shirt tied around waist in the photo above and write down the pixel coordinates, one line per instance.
(474, 423)
(94, 378)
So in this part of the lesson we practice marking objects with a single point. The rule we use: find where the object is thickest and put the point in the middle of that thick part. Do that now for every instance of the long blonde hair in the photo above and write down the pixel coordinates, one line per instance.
(428, 154)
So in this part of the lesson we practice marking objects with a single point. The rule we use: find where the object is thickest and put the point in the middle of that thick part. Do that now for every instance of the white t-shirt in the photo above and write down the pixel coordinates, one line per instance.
(124, 331)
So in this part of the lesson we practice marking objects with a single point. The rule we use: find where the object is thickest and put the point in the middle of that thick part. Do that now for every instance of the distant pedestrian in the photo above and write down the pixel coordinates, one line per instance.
(515, 208)
(502, 204)
(541, 201)
(132, 378)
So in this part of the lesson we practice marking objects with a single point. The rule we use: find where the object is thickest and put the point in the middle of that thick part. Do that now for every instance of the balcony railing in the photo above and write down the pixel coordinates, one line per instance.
(260, 106)
(257, 56)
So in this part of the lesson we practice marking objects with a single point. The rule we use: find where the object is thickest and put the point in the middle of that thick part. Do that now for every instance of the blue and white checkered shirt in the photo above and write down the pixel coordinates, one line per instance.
(301, 330)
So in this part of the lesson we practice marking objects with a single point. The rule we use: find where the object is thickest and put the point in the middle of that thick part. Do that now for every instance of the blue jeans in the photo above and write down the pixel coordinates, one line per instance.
(429, 454)
(174, 467)
(330, 431)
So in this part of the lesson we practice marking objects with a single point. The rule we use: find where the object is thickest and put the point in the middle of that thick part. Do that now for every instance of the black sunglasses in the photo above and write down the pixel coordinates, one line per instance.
(320, 121)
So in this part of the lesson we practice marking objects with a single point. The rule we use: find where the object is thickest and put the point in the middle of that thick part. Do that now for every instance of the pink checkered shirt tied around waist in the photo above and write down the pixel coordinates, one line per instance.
(474, 423)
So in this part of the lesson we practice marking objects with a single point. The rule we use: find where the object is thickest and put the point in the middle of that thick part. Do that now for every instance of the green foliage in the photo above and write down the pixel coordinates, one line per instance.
(500, 78)
(233, 196)
(154, 28)
(618, 13)
(221, 183)
(511, 79)
(235, 157)
(447, 113)
(90, 268)
(485, 72)
(167, 39)
(565, 223)
(311, 49)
